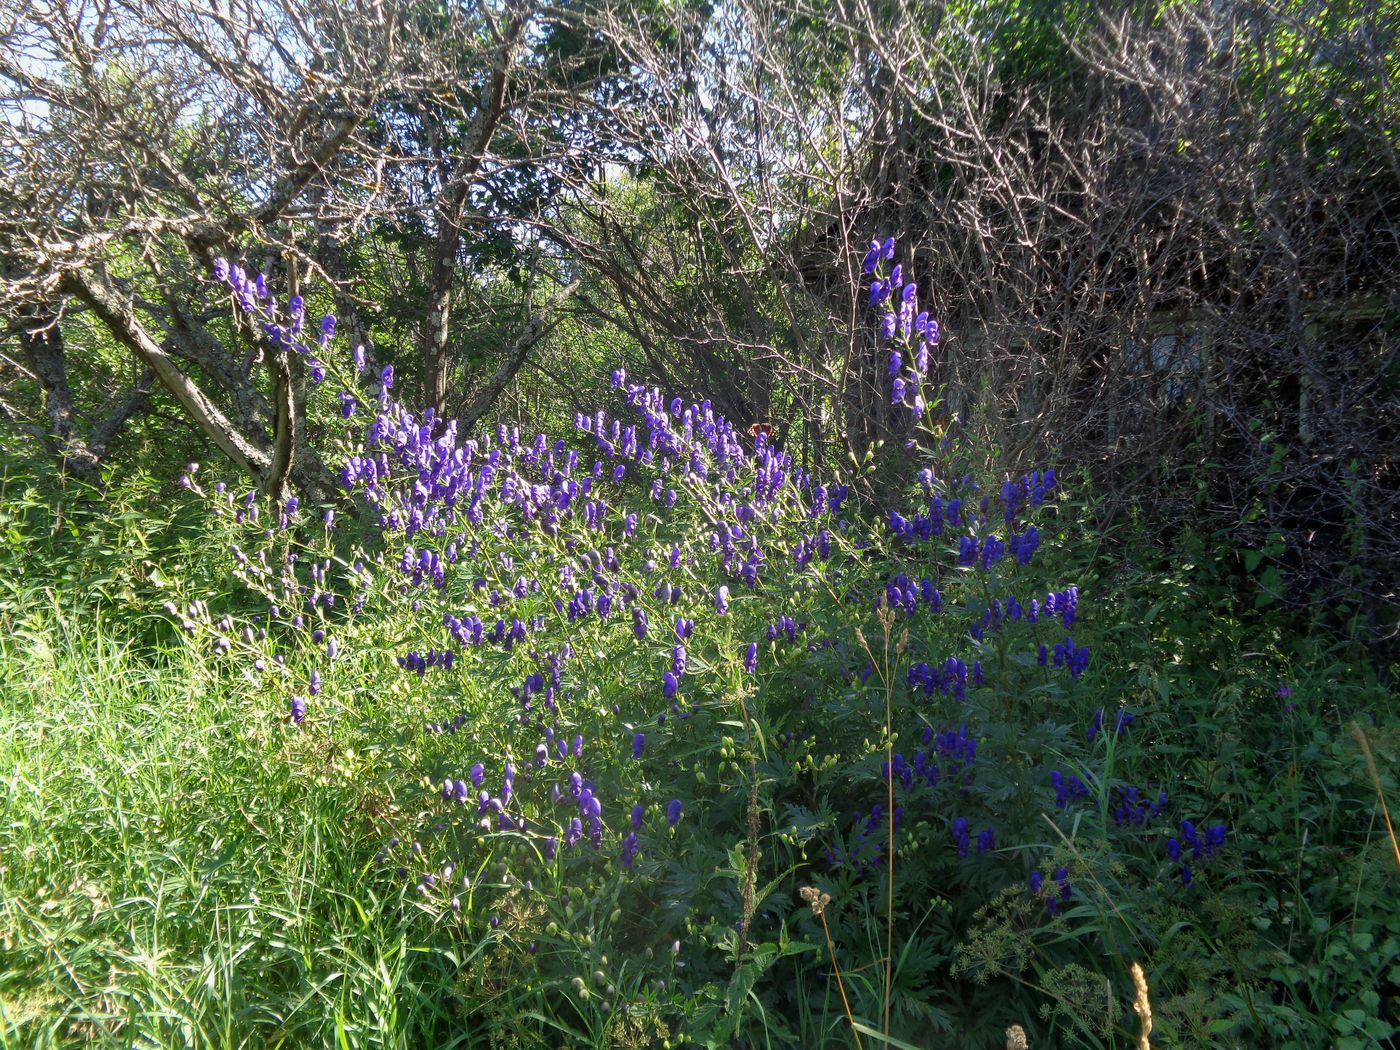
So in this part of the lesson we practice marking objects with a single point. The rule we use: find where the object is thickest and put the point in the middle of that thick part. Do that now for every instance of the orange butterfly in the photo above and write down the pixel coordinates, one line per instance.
(766, 429)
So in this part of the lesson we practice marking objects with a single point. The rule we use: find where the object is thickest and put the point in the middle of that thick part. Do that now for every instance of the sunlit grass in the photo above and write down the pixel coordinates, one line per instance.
(177, 870)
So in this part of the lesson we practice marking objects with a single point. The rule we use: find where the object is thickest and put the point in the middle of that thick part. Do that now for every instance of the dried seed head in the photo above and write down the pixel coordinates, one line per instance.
(1142, 1006)
(815, 898)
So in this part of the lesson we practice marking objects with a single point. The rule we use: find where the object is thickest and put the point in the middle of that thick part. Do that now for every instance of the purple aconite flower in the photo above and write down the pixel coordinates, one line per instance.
(751, 658)
(638, 811)
(960, 835)
(1215, 839)
(639, 744)
(868, 264)
(673, 812)
(629, 850)
(722, 600)
(298, 710)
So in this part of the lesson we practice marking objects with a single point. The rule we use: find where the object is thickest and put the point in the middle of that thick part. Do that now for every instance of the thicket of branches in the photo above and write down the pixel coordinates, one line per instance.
(304, 139)
(1161, 240)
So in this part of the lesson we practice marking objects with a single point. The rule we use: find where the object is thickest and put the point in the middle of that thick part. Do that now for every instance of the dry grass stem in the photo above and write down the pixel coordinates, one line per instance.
(1360, 735)
(818, 902)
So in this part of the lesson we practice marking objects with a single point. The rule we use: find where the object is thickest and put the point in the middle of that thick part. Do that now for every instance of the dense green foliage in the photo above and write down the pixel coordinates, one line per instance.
(184, 864)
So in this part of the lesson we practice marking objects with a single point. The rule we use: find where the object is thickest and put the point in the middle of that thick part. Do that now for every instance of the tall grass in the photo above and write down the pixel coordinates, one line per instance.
(175, 870)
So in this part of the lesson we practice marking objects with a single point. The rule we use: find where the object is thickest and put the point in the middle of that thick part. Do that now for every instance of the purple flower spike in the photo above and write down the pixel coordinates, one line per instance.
(629, 850)
(673, 812)
(639, 744)
(298, 710)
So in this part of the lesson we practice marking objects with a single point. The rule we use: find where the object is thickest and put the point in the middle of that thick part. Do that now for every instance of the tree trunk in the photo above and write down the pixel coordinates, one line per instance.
(249, 454)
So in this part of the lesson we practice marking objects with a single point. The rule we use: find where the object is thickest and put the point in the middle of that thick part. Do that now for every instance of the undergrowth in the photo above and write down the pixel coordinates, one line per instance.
(641, 735)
